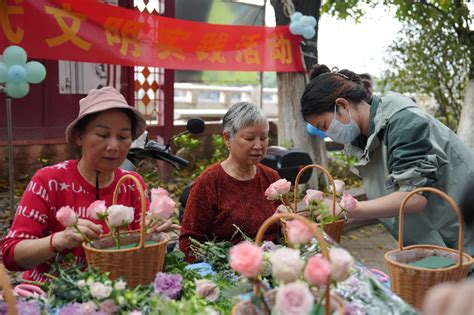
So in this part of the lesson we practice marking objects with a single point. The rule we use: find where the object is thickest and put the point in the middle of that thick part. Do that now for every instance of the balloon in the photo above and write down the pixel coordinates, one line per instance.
(17, 89)
(296, 28)
(304, 20)
(14, 55)
(3, 72)
(315, 131)
(35, 72)
(308, 32)
(311, 20)
(296, 16)
(16, 73)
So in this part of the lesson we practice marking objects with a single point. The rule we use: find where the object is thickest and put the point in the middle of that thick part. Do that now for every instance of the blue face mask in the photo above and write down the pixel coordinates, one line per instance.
(343, 133)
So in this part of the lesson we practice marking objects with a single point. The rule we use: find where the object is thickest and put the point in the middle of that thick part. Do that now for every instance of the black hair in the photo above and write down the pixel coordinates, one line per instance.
(326, 86)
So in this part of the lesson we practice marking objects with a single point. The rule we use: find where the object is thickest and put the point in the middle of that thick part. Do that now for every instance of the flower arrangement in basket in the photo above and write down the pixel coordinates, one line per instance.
(300, 286)
(314, 201)
(410, 280)
(135, 255)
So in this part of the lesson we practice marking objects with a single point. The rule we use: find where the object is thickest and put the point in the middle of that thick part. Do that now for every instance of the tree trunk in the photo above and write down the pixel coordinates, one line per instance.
(466, 122)
(291, 126)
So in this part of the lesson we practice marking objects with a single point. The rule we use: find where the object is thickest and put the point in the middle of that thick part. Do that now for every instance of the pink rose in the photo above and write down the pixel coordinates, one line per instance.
(341, 263)
(312, 196)
(277, 189)
(66, 216)
(207, 289)
(317, 270)
(157, 192)
(119, 215)
(247, 259)
(97, 210)
(162, 206)
(340, 186)
(108, 306)
(348, 202)
(298, 232)
(294, 299)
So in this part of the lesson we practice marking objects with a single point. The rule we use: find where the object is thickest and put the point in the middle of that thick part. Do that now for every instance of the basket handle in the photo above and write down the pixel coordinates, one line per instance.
(7, 291)
(451, 202)
(142, 200)
(331, 180)
(316, 233)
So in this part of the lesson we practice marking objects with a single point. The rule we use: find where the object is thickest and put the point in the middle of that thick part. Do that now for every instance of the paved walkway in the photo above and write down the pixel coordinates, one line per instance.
(368, 244)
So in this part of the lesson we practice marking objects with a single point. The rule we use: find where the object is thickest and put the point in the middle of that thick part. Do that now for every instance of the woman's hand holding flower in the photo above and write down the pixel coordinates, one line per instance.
(71, 238)
(162, 207)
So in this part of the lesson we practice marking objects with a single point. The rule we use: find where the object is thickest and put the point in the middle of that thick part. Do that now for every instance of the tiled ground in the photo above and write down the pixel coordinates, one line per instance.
(368, 244)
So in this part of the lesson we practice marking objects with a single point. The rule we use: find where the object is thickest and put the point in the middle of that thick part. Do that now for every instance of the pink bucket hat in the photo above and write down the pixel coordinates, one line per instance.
(101, 100)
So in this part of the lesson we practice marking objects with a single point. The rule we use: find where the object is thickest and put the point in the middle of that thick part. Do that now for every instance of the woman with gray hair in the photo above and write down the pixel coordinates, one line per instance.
(230, 194)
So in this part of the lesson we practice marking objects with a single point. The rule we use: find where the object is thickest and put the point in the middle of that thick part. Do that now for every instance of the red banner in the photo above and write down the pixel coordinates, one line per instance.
(85, 30)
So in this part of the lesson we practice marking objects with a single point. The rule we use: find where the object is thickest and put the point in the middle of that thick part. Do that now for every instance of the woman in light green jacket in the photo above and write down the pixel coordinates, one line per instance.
(400, 147)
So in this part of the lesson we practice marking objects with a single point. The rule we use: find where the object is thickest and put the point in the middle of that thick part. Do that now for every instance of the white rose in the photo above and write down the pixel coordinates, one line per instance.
(286, 264)
(341, 263)
(119, 215)
(340, 186)
(81, 283)
(207, 289)
(120, 285)
(100, 291)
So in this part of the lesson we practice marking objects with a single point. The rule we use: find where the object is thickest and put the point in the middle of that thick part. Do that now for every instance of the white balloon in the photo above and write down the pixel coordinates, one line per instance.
(308, 32)
(296, 16)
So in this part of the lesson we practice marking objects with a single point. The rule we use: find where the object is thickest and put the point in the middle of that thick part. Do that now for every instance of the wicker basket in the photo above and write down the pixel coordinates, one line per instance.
(410, 282)
(332, 302)
(7, 291)
(333, 229)
(138, 265)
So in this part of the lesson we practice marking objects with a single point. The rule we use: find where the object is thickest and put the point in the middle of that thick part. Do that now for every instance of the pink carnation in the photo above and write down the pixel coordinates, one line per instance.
(298, 232)
(66, 216)
(312, 195)
(97, 210)
(348, 202)
(247, 259)
(317, 270)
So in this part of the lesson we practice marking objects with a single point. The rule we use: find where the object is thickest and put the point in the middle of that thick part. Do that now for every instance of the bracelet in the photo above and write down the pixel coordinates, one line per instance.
(51, 246)
(345, 216)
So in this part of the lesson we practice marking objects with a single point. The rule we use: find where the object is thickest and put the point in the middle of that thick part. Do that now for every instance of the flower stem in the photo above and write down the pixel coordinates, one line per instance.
(111, 231)
(284, 200)
(82, 234)
(118, 237)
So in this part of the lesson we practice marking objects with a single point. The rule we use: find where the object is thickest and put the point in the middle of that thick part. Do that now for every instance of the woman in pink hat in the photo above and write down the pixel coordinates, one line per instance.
(102, 132)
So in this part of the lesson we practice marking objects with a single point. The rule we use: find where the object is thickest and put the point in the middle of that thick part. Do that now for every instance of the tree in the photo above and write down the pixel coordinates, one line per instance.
(420, 63)
(291, 126)
(447, 23)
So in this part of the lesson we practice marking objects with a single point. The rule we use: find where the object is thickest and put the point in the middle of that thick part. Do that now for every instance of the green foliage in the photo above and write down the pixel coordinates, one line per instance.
(44, 161)
(434, 54)
(187, 141)
(339, 167)
(429, 59)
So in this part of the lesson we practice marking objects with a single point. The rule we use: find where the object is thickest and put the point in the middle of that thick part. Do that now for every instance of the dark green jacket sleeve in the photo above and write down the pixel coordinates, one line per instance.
(413, 159)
